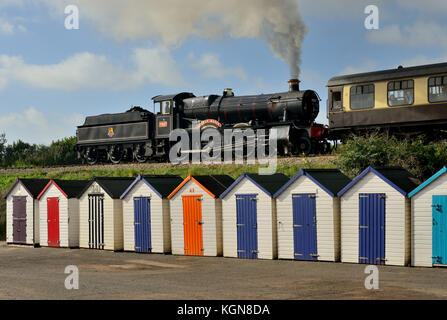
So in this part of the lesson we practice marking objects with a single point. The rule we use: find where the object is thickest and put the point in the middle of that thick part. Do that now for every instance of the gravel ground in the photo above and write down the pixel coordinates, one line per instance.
(38, 273)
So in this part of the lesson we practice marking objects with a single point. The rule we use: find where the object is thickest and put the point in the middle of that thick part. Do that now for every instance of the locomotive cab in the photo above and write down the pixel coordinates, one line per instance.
(164, 119)
(169, 107)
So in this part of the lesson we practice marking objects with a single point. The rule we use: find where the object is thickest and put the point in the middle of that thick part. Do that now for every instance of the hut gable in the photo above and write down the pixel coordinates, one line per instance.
(330, 180)
(399, 179)
(162, 186)
(269, 184)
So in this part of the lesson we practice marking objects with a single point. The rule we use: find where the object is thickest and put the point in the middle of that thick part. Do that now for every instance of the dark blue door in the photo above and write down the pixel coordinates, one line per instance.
(372, 228)
(247, 226)
(142, 207)
(439, 205)
(305, 227)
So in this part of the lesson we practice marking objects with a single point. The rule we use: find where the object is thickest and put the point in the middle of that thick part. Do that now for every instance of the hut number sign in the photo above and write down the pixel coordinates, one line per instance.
(95, 189)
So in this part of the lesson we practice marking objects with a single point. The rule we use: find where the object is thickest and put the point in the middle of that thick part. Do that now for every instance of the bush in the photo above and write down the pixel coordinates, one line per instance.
(377, 150)
(22, 154)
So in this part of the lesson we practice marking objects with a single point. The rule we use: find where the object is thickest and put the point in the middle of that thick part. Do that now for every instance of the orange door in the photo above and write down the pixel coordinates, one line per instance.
(192, 225)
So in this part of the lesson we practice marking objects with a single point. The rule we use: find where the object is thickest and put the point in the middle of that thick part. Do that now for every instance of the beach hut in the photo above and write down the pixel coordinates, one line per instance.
(146, 214)
(249, 216)
(308, 213)
(101, 214)
(196, 215)
(429, 222)
(59, 213)
(376, 216)
(22, 211)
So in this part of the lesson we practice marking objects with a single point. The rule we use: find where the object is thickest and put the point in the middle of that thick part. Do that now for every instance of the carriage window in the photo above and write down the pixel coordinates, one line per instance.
(400, 93)
(437, 89)
(362, 97)
(166, 107)
(336, 101)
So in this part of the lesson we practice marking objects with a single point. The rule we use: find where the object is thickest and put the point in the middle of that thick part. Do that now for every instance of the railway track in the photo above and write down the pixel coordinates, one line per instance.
(149, 165)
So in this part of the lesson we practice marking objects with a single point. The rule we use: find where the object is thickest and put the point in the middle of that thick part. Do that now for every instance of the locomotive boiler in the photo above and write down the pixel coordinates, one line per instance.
(139, 134)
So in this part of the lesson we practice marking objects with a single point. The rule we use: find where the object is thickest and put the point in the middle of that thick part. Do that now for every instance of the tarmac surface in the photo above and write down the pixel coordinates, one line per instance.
(38, 273)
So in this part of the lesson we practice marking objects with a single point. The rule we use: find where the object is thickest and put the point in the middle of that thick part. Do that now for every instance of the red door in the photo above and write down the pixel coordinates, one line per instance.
(192, 225)
(53, 222)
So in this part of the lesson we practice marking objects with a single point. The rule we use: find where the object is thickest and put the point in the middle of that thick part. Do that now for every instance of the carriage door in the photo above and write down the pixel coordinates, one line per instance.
(372, 228)
(19, 219)
(192, 225)
(247, 226)
(142, 211)
(439, 205)
(96, 221)
(305, 226)
(53, 222)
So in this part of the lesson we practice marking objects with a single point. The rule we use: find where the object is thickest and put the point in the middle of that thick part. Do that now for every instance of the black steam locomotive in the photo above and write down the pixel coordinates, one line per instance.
(139, 134)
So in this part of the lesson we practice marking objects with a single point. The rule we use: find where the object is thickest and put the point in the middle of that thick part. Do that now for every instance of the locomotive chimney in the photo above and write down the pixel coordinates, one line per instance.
(294, 85)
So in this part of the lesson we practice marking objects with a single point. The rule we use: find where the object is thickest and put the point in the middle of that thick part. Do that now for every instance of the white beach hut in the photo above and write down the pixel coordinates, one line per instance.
(308, 213)
(376, 217)
(196, 215)
(249, 216)
(22, 211)
(59, 213)
(429, 222)
(101, 214)
(146, 214)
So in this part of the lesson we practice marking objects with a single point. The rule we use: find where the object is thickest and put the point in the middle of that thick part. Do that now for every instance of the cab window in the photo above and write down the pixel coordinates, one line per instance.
(362, 97)
(166, 107)
(437, 89)
(400, 93)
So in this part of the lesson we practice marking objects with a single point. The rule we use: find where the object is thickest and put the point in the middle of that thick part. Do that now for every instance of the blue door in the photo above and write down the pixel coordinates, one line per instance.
(372, 228)
(247, 226)
(305, 227)
(142, 208)
(439, 229)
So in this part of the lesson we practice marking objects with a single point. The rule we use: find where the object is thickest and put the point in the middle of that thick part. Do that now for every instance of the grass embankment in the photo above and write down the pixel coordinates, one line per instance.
(6, 180)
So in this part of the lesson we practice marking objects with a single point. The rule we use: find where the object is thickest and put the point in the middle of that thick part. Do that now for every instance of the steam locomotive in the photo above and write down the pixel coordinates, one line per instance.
(140, 135)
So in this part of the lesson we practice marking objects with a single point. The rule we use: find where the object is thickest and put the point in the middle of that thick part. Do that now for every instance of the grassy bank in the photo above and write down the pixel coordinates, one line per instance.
(6, 180)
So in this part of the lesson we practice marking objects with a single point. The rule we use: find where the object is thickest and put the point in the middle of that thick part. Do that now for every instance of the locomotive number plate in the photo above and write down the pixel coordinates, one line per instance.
(163, 124)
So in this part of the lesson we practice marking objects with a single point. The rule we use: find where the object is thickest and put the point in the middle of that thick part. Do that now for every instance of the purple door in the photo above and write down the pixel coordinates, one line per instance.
(19, 219)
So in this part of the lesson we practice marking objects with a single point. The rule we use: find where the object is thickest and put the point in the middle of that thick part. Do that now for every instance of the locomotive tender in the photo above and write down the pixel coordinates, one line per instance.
(139, 134)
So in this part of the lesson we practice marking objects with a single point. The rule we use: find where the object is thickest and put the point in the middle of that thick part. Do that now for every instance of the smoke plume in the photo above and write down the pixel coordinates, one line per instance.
(171, 22)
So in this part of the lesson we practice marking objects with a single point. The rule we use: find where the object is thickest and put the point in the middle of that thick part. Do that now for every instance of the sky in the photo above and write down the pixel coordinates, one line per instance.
(126, 52)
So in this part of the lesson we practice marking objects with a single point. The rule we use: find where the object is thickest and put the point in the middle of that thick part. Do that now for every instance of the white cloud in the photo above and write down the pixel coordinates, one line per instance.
(87, 70)
(32, 126)
(172, 22)
(210, 66)
(422, 60)
(8, 28)
(367, 66)
(418, 35)
(438, 7)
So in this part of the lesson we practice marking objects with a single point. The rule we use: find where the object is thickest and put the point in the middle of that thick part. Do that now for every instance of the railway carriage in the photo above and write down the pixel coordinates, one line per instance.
(404, 101)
